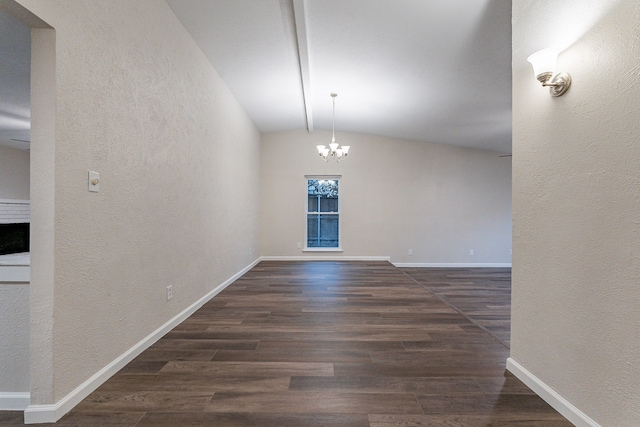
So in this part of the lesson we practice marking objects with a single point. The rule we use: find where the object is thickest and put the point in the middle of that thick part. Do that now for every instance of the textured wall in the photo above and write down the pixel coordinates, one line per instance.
(14, 174)
(576, 206)
(178, 203)
(14, 336)
(438, 200)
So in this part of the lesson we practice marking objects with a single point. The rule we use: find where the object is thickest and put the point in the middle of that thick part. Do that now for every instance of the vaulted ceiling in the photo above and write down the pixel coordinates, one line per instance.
(427, 70)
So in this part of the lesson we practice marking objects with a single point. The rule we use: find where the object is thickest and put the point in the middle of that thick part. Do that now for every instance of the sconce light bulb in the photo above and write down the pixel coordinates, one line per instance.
(544, 61)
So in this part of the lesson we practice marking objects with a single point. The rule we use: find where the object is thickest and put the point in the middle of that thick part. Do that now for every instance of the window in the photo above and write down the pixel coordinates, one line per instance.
(323, 213)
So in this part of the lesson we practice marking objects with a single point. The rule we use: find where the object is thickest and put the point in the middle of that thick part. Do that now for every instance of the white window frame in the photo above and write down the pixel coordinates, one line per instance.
(306, 212)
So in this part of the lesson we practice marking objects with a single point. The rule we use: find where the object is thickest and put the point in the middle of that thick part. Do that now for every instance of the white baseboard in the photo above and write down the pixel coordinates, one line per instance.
(14, 401)
(325, 258)
(51, 413)
(383, 258)
(549, 395)
(452, 265)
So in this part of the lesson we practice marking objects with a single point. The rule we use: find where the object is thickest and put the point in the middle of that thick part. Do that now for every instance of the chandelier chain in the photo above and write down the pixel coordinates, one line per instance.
(333, 121)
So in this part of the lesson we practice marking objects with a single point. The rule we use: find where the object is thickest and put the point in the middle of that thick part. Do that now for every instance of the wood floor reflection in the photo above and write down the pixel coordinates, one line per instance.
(329, 344)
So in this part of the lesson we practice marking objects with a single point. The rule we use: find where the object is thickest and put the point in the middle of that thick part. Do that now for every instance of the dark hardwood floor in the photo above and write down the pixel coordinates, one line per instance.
(329, 344)
(483, 295)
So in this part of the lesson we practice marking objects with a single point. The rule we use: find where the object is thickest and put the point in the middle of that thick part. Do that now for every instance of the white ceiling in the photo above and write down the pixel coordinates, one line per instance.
(427, 70)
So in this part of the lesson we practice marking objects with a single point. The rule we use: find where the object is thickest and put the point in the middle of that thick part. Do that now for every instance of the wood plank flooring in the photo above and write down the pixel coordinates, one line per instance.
(483, 295)
(328, 344)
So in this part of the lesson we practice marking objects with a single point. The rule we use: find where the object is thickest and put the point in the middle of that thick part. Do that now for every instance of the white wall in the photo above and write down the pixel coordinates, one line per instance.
(14, 173)
(135, 100)
(14, 336)
(14, 297)
(396, 195)
(576, 207)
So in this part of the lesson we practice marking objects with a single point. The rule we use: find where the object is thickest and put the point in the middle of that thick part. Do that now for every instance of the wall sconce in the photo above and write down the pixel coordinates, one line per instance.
(544, 65)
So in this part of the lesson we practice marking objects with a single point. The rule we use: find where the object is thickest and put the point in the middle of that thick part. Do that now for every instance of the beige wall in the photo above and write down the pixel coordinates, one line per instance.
(576, 207)
(14, 174)
(440, 201)
(135, 100)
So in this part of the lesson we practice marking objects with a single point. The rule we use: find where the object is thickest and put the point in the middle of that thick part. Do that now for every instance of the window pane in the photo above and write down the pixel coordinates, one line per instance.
(329, 204)
(322, 195)
(312, 230)
(322, 231)
(312, 203)
(322, 213)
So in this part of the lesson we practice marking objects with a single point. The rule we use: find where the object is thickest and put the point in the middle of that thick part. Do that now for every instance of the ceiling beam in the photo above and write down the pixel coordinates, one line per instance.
(303, 58)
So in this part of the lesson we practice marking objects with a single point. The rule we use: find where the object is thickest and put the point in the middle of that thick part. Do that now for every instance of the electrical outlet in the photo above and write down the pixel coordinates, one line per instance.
(471, 252)
(94, 182)
(169, 292)
(299, 245)
(410, 251)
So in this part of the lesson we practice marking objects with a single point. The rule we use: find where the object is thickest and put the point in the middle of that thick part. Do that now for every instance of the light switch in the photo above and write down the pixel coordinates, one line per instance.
(94, 181)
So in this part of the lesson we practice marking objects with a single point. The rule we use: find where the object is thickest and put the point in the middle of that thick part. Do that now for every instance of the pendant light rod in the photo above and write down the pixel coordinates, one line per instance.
(333, 121)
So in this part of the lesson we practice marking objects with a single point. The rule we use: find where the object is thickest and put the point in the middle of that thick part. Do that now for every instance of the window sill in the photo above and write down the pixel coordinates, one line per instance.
(322, 250)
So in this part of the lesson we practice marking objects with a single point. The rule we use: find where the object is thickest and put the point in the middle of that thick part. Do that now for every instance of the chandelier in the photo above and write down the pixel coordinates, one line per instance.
(334, 150)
